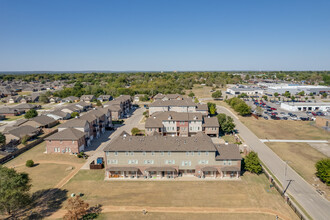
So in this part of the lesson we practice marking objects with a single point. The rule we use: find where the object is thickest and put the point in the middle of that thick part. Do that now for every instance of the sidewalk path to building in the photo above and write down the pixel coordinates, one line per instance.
(130, 123)
(193, 210)
(316, 206)
(294, 141)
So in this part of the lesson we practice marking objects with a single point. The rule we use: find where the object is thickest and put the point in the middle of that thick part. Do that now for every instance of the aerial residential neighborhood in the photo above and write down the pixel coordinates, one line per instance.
(164, 110)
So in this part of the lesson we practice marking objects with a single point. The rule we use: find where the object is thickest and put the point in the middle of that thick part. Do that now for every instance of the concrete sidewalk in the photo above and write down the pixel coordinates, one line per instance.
(294, 141)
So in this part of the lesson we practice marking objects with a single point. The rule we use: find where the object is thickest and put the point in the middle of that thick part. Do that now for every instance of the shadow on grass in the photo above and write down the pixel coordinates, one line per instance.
(44, 204)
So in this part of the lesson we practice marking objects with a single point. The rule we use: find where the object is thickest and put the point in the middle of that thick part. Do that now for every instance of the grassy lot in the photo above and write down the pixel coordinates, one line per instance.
(302, 159)
(45, 176)
(229, 138)
(252, 191)
(37, 154)
(140, 215)
(201, 91)
(24, 93)
(13, 118)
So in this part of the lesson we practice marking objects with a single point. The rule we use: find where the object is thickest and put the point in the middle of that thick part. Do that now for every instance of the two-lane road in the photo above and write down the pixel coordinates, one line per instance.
(317, 206)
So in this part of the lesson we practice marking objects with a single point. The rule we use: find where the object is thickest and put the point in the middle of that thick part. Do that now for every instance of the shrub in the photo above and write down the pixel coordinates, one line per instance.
(29, 163)
(323, 170)
(31, 114)
(252, 163)
(239, 106)
(25, 139)
(74, 114)
(135, 131)
(217, 94)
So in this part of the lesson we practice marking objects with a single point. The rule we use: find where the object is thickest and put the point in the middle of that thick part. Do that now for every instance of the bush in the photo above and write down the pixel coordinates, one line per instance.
(31, 114)
(239, 106)
(252, 163)
(74, 114)
(135, 131)
(323, 170)
(217, 94)
(29, 163)
(212, 108)
(25, 139)
(82, 155)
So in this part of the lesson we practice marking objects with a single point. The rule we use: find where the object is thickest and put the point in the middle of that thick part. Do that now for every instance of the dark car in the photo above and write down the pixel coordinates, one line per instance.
(274, 117)
(284, 118)
(265, 117)
(304, 118)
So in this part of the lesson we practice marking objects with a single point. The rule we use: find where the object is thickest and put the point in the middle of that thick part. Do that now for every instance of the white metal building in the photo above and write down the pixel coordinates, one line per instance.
(294, 89)
(247, 90)
(305, 106)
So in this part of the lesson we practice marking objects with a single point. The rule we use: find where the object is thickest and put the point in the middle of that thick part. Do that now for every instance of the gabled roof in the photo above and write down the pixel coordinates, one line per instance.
(24, 130)
(43, 120)
(200, 142)
(165, 103)
(67, 134)
(211, 122)
(156, 119)
(74, 123)
(25, 106)
(228, 152)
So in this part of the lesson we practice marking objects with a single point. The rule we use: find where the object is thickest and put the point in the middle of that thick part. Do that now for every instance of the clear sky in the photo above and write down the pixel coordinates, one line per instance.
(73, 35)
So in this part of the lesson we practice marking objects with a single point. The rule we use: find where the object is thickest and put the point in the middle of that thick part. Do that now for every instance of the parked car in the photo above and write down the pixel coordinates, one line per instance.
(274, 117)
(285, 118)
(304, 118)
(265, 117)
(314, 114)
(282, 113)
(273, 109)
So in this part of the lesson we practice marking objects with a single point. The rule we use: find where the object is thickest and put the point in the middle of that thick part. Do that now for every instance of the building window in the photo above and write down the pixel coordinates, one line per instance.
(169, 161)
(107, 153)
(229, 162)
(133, 162)
(152, 153)
(187, 153)
(55, 149)
(73, 142)
(186, 163)
(126, 153)
(199, 153)
(112, 161)
(116, 153)
(169, 153)
(162, 153)
(148, 161)
(203, 162)
(144, 153)
(224, 162)
(206, 153)
(132, 153)
(192, 153)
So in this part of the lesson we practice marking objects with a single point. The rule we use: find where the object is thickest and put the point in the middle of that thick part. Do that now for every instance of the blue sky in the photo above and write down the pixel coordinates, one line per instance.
(73, 35)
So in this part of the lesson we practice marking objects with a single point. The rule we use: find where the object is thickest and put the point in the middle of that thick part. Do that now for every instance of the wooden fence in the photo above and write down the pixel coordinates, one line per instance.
(27, 147)
(290, 202)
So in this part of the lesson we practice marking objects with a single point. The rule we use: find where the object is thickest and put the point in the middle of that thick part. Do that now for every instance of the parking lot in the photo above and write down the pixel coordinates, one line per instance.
(272, 110)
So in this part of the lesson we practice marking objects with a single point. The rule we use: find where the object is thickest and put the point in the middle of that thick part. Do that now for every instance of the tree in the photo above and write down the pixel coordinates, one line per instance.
(98, 103)
(324, 95)
(243, 95)
(226, 123)
(243, 109)
(14, 190)
(323, 170)
(302, 93)
(25, 139)
(293, 97)
(43, 98)
(191, 94)
(2, 139)
(29, 163)
(287, 94)
(252, 163)
(31, 114)
(135, 131)
(144, 98)
(276, 94)
(77, 208)
(217, 94)
(212, 110)
(196, 100)
(265, 97)
(74, 114)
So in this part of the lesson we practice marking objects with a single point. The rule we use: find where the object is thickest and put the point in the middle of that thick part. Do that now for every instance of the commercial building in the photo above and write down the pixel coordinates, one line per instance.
(249, 90)
(160, 157)
(294, 89)
(305, 106)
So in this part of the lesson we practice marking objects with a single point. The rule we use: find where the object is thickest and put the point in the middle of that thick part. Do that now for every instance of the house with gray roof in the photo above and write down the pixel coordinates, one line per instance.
(69, 140)
(170, 157)
(17, 133)
(70, 99)
(87, 98)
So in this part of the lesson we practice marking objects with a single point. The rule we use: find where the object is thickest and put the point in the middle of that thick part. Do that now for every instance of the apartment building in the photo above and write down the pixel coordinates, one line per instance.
(181, 124)
(181, 105)
(170, 157)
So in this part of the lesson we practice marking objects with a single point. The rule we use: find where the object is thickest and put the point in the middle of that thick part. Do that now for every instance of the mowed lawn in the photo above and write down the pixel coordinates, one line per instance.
(201, 91)
(45, 176)
(165, 216)
(251, 192)
(37, 153)
(302, 158)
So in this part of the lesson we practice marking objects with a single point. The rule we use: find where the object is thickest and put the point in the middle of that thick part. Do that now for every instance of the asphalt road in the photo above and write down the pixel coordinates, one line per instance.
(317, 206)
(96, 150)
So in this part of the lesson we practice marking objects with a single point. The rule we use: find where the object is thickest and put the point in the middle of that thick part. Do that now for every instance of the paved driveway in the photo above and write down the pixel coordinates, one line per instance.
(96, 150)
(317, 206)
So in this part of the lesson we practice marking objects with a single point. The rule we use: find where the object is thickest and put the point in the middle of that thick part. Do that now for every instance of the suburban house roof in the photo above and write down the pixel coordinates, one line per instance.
(24, 130)
(74, 123)
(25, 106)
(125, 142)
(58, 113)
(7, 110)
(67, 134)
(211, 122)
(202, 107)
(19, 122)
(123, 98)
(71, 98)
(230, 151)
(87, 97)
(156, 119)
(43, 120)
(169, 96)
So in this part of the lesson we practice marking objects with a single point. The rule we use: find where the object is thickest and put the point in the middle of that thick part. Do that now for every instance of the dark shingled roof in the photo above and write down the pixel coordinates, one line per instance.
(75, 123)
(23, 130)
(226, 152)
(200, 142)
(43, 120)
(211, 122)
(161, 103)
(67, 134)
